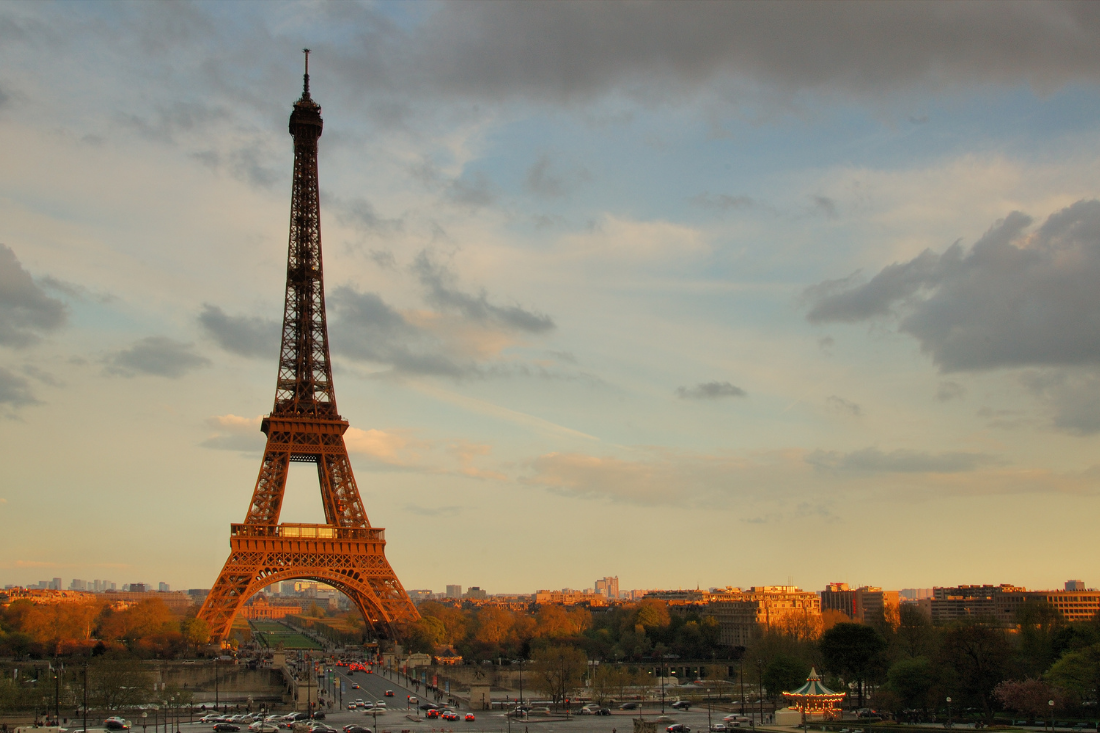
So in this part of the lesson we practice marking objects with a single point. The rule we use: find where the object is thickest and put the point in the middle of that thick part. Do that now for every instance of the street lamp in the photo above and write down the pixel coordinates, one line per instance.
(1050, 704)
(144, 715)
(948, 711)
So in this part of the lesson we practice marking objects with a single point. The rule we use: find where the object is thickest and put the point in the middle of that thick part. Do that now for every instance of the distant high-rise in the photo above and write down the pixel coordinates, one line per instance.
(78, 584)
(138, 588)
(454, 591)
(163, 587)
(608, 586)
(55, 584)
(1075, 585)
(476, 593)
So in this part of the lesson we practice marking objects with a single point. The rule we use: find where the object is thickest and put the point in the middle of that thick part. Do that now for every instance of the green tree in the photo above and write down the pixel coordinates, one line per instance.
(979, 657)
(1038, 623)
(853, 651)
(784, 674)
(912, 680)
(1078, 673)
(914, 636)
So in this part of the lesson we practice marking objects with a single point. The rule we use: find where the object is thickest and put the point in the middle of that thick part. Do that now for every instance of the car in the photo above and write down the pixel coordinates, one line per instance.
(603, 711)
(380, 704)
(448, 715)
(262, 726)
(318, 715)
(629, 706)
(210, 718)
(719, 728)
(682, 705)
(356, 729)
(469, 718)
(432, 713)
(116, 724)
(352, 705)
(226, 727)
(388, 693)
(678, 728)
(412, 699)
(355, 687)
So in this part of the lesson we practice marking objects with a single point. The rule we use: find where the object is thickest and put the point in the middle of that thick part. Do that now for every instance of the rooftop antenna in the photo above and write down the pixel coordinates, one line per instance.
(305, 86)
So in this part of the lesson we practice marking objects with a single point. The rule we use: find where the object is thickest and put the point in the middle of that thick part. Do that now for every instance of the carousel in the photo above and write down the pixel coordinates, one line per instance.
(811, 702)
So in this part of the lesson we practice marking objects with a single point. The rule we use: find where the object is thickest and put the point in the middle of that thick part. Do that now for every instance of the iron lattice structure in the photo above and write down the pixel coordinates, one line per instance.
(305, 426)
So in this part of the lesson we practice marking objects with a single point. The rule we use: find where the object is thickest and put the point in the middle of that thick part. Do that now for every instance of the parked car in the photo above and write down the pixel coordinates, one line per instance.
(677, 728)
(629, 706)
(262, 726)
(116, 723)
(682, 705)
(226, 727)
(719, 728)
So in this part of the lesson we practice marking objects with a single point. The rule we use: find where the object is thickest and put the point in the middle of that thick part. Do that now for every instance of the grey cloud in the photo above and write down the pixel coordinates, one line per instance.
(545, 179)
(564, 51)
(825, 206)
(243, 335)
(1015, 299)
(361, 214)
(26, 311)
(179, 117)
(473, 192)
(158, 356)
(899, 461)
(1071, 396)
(722, 202)
(439, 282)
(383, 258)
(843, 406)
(15, 391)
(73, 290)
(251, 165)
(710, 391)
(950, 391)
(366, 328)
(42, 376)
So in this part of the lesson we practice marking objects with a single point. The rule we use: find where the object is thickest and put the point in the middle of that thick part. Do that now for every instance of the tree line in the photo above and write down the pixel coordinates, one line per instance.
(906, 666)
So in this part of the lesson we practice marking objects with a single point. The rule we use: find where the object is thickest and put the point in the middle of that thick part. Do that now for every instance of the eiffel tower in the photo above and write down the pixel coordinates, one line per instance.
(345, 552)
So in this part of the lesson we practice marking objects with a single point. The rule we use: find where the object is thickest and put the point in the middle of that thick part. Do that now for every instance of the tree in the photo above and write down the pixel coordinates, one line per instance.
(979, 656)
(1031, 697)
(196, 632)
(1078, 673)
(493, 625)
(784, 674)
(1038, 622)
(853, 651)
(912, 680)
(914, 635)
(558, 670)
(117, 680)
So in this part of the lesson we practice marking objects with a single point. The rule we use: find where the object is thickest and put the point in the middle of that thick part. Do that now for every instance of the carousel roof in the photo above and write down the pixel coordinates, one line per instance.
(813, 688)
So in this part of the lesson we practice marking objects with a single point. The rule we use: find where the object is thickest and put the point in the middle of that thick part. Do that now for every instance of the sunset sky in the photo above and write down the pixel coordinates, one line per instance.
(692, 294)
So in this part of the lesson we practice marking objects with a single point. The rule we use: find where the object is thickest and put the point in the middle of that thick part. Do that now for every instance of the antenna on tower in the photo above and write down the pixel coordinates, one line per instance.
(305, 85)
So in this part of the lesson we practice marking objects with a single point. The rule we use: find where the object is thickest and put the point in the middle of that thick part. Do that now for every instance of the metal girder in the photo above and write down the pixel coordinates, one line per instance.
(305, 426)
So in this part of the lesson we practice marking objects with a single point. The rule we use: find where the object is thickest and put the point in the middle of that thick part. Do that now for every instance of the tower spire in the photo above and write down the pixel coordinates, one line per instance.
(305, 79)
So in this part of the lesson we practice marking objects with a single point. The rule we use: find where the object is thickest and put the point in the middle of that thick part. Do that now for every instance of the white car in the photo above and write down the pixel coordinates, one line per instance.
(262, 726)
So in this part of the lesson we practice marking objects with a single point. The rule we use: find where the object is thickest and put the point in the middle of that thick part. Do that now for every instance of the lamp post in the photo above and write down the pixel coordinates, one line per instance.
(85, 697)
(741, 675)
(1050, 704)
(144, 717)
(949, 711)
(760, 687)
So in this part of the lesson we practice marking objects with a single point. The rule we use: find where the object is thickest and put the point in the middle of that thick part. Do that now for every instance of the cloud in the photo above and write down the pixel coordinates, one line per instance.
(710, 391)
(158, 356)
(439, 282)
(565, 52)
(1015, 299)
(722, 202)
(366, 328)
(389, 447)
(825, 206)
(474, 192)
(242, 335)
(360, 214)
(15, 391)
(545, 179)
(873, 460)
(843, 407)
(950, 391)
(1072, 397)
(235, 433)
(26, 311)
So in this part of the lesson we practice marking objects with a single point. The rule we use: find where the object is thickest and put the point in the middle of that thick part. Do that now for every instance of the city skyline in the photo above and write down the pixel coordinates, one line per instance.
(646, 293)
